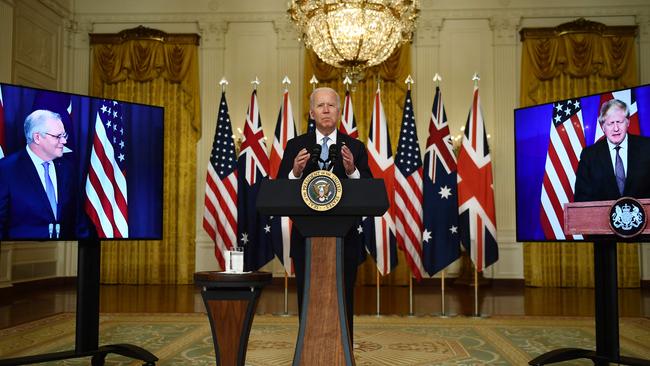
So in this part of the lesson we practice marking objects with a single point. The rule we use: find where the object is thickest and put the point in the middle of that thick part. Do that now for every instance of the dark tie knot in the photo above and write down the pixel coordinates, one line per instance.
(617, 148)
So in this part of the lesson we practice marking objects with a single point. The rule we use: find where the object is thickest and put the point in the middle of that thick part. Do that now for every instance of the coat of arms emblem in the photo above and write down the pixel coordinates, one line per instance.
(627, 217)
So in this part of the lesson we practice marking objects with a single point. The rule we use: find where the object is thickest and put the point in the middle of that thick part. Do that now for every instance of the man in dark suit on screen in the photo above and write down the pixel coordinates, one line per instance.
(37, 185)
(616, 166)
(324, 108)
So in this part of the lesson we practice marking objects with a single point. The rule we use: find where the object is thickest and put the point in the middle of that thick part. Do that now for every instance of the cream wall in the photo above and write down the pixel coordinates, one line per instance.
(244, 39)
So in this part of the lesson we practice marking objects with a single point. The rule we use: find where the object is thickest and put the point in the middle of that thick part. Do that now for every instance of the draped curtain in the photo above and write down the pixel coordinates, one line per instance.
(390, 75)
(147, 66)
(571, 60)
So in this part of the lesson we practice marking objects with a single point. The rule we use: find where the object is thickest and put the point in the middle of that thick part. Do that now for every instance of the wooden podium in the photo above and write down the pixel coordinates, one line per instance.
(592, 219)
(323, 338)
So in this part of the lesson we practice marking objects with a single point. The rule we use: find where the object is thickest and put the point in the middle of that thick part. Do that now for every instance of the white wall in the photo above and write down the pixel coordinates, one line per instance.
(244, 39)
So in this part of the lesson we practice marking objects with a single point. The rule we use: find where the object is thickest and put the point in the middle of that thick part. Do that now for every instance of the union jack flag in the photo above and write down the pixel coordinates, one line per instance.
(253, 230)
(567, 139)
(477, 221)
(628, 96)
(106, 189)
(440, 240)
(220, 214)
(379, 232)
(408, 191)
(348, 124)
(285, 130)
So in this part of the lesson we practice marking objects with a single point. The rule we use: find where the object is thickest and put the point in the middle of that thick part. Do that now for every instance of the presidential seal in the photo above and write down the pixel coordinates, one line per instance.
(321, 190)
(627, 217)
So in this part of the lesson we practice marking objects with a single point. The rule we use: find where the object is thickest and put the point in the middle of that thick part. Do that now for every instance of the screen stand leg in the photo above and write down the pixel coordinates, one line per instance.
(87, 327)
(606, 301)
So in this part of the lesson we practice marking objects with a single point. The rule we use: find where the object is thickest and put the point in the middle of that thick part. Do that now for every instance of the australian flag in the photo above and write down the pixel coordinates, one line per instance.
(253, 229)
(440, 240)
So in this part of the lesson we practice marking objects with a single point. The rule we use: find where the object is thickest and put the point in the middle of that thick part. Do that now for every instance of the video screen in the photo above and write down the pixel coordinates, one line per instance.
(549, 141)
(77, 167)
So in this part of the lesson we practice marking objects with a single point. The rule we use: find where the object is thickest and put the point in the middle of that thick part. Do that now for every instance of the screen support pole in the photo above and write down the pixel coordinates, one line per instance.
(87, 318)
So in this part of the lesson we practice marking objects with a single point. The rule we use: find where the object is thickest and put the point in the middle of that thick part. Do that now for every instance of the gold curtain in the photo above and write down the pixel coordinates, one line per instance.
(148, 66)
(571, 60)
(391, 74)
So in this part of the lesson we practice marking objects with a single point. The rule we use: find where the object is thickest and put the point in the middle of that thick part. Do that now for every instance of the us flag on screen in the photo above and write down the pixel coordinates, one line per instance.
(348, 124)
(285, 130)
(477, 218)
(567, 139)
(253, 230)
(220, 214)
(2, 126)
(106, 191)
(379, 232)
(408, 191)
(440, 239)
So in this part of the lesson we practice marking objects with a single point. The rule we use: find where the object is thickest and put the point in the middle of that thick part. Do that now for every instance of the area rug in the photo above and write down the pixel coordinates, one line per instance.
(185, 339)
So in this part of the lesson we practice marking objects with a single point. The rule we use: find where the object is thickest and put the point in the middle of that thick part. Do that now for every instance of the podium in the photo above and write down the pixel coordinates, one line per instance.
(592, 219)
(323, 337)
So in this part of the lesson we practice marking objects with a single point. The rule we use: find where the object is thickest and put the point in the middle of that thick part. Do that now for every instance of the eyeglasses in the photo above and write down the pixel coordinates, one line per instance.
(60, 136)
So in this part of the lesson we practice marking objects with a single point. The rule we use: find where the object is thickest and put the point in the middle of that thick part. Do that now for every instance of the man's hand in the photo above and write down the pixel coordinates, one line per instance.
(300, 162)
(348, 160)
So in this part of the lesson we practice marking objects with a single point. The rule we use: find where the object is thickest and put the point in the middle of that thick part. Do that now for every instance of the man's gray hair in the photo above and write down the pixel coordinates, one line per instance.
(311, 97)
(604, 109)
(35, 123)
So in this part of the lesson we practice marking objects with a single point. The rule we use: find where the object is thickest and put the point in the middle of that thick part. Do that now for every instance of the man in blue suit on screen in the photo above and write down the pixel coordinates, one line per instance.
(616, 166)
(37, 194)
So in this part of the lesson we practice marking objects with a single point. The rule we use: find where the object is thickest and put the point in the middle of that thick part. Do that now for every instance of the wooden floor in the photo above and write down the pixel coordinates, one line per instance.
(27, 303)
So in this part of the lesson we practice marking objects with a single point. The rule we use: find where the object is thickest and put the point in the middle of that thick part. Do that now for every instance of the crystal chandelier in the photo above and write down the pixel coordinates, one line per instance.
(354, 34)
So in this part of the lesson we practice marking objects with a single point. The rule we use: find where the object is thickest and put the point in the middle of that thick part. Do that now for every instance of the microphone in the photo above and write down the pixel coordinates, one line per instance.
(333, 155)
(315, 154)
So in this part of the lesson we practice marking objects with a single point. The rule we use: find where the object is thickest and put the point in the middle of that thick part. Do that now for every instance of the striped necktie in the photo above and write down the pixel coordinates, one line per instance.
(49, 188)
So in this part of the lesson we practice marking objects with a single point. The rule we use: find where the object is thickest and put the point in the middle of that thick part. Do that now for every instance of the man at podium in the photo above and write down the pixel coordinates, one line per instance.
(616, 166)
(309, 152)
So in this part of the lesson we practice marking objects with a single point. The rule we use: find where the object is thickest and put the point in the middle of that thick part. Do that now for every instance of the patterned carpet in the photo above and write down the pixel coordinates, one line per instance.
(184, 339)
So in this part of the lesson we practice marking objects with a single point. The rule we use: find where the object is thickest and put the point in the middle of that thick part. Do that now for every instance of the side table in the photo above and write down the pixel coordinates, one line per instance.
(230, 300)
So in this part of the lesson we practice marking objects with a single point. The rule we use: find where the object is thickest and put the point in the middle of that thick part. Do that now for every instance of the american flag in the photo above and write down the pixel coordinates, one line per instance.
(253, 230)
(408, 191)
(379, 232)
(106, 188)
(348, 124)
(2, 125)
(285, 130)
(440, 240)
(477, 221)
(220, 214)
(628, 96)
(567, 139)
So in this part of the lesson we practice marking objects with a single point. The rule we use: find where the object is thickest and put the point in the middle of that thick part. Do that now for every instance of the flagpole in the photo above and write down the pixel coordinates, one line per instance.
(476, 313)
(378, 294)
(411, 313)
(443, 314)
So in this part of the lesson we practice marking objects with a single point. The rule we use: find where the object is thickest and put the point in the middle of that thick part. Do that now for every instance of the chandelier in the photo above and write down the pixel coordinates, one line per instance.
(354, 34)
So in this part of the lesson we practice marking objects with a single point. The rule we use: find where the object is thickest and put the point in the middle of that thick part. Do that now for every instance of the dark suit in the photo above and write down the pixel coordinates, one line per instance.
(25, 211)
(595, 179)
(353, 251)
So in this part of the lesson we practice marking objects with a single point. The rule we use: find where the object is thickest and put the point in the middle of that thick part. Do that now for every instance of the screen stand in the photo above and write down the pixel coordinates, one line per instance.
(87, 321)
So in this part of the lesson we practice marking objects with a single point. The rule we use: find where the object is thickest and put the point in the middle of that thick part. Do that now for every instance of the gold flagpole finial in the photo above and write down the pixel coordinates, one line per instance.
(347, 81)
(286, 82)
(437, 78)
(223, 84)
(409, 81)
(256, 82)
(313, 81)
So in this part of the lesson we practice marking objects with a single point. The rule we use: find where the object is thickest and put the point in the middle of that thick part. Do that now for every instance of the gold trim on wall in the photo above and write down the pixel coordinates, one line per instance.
(141, 33)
